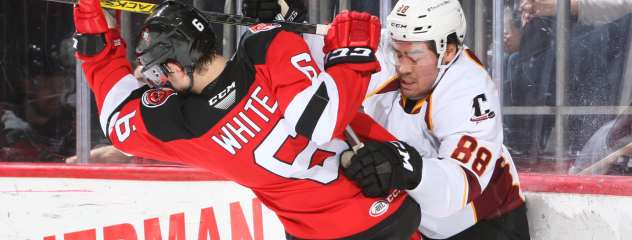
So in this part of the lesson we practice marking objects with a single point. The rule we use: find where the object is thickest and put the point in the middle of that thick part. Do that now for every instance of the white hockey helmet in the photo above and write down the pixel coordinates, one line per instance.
(427, 20)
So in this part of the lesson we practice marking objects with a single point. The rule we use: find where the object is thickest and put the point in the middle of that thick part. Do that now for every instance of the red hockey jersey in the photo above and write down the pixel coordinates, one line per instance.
(269, 122)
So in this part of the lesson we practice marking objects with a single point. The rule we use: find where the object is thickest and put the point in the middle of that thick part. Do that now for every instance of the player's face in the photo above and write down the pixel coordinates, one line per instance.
(417, 66)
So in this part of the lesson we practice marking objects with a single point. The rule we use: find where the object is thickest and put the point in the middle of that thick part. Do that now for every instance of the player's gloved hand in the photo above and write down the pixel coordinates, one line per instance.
(268, 10)
(352, 39)
(380, 167)
(91, 19)
(296, 11)
(264, 10)
(96, 29)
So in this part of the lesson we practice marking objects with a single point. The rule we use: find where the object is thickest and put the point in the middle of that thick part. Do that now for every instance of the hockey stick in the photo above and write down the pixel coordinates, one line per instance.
(608, 160)
(148, 8)
(354, 144)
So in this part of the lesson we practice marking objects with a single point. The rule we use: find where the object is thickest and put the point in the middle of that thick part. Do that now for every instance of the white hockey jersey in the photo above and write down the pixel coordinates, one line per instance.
(468, 174)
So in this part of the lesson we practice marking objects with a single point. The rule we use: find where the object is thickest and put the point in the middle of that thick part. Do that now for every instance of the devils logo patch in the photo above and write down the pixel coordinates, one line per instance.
(156, 97)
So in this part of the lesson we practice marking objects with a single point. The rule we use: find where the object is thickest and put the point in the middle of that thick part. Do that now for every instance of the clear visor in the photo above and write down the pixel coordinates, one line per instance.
(414, 53)
(155, 76)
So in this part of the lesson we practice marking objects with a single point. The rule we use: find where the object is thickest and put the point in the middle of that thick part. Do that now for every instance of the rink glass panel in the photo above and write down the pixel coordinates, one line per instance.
(547, 130)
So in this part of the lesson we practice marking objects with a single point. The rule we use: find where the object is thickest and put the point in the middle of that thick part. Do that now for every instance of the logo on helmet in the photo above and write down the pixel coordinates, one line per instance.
(439, 5)
(146, 36)
(156, 97)
(397, 25)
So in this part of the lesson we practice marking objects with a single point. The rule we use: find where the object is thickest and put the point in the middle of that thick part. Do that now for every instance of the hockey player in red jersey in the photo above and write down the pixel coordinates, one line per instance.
(268, 119)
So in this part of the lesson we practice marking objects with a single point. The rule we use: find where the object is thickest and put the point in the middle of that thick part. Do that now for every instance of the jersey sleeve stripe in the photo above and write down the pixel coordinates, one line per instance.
(428, 117)
(307, 122)
(465, 186)
(327, 117)
(119, 92)
(390, 85)
(475, 59)
(474, 212)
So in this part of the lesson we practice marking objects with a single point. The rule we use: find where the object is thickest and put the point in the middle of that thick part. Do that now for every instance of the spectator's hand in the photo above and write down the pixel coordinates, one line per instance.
(353, 39)
(512, 40)
(537, 8)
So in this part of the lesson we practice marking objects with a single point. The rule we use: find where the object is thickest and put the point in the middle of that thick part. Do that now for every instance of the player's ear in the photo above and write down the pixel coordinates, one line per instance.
(174, 67)
(450, 52)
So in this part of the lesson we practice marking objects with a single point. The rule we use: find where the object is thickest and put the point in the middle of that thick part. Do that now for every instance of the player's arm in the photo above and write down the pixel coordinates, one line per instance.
(109, 75)
(321, 104)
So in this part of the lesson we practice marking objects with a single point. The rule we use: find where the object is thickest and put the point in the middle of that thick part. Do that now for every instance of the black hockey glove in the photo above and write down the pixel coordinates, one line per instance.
(268, 10)
(380, 167)
(296, 11)
(264, 10)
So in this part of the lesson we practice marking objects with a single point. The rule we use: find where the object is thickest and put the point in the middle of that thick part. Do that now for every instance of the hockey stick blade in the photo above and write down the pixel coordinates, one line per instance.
(607, 161)
(148, 8)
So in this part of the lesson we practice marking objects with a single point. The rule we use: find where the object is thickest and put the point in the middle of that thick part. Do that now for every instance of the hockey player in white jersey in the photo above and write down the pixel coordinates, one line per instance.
(436, 96)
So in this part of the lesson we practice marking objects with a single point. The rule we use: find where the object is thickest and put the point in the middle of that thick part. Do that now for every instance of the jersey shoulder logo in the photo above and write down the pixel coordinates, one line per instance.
(224, 99)
(479, 113)
(156, 97)
(264, 27)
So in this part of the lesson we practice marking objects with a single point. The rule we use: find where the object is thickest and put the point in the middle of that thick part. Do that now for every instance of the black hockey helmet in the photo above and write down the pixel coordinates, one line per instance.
(174, 31)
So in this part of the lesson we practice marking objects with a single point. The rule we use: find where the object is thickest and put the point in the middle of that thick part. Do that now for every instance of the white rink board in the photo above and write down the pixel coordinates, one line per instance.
(564, 216)
(34, 208)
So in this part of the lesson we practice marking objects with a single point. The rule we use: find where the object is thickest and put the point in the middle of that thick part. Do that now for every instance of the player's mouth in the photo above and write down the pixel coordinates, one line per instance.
(404, 83)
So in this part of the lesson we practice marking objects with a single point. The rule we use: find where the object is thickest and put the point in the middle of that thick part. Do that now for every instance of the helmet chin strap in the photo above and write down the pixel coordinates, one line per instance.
(443, 68)
(190, 73)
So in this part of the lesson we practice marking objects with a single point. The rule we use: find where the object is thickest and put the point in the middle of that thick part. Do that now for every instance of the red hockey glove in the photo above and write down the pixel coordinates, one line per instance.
(353, 38)
(96, 30)
(90, 18)
(380, 167)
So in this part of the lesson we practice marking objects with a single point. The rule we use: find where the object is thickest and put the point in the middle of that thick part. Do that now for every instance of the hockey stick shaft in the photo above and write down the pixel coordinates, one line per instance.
(607, 161)
(354, 143)
(148, 8)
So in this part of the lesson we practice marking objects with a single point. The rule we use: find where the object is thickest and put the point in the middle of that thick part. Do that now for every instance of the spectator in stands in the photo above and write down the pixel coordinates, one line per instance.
(40, 125)
(598, 51)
